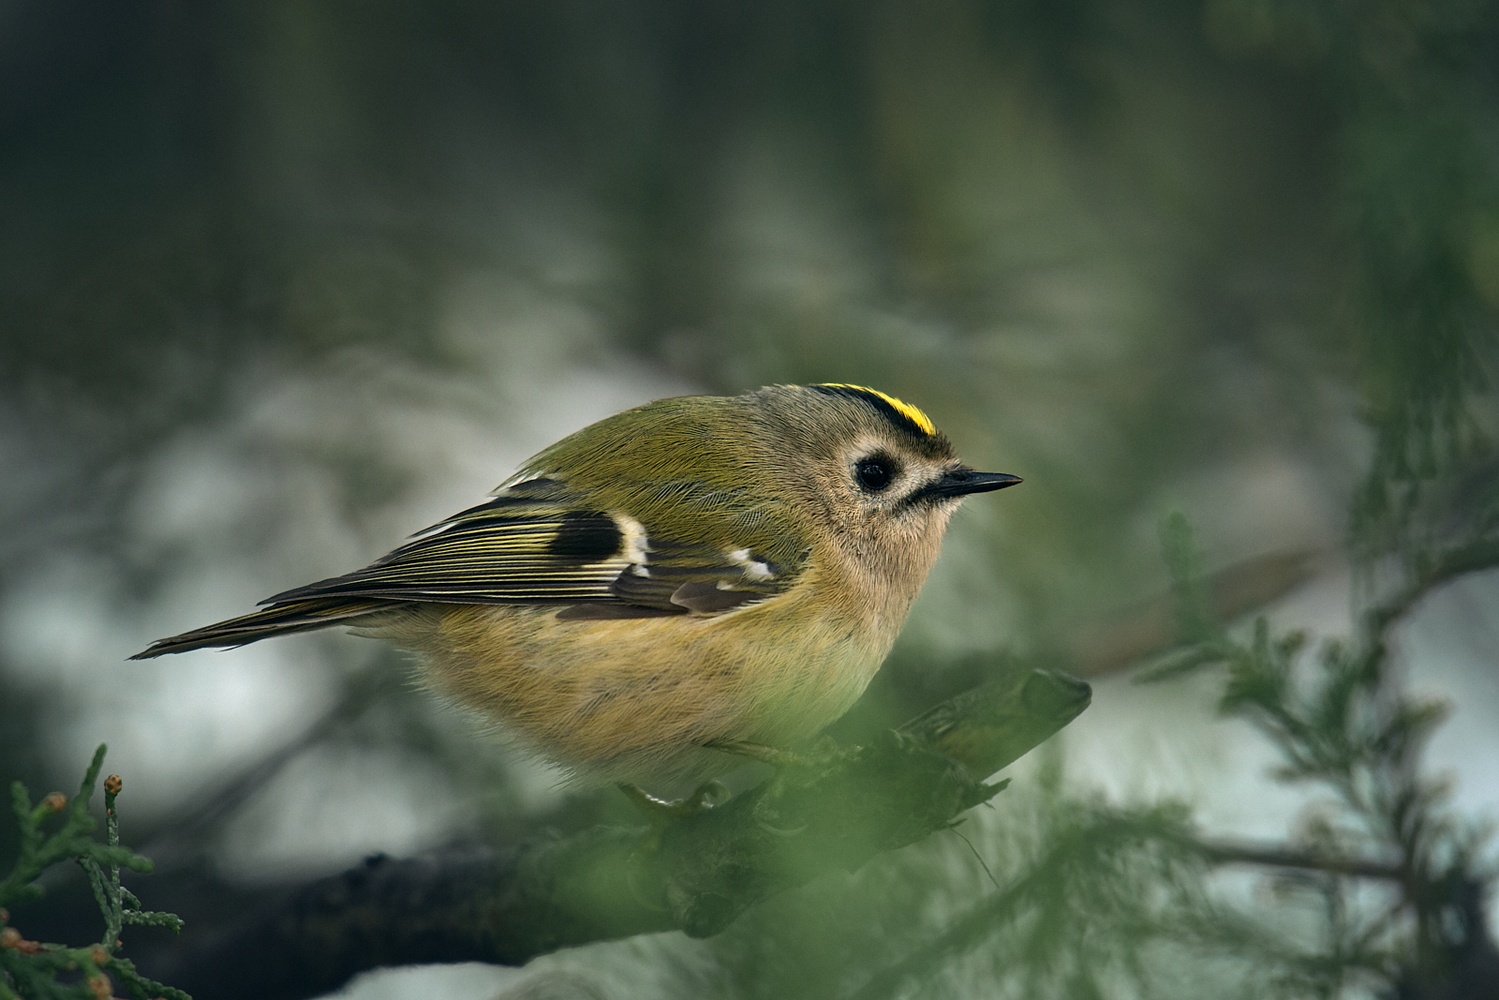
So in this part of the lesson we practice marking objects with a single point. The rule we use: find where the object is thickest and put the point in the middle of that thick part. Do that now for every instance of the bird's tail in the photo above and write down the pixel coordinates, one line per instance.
(281, 618)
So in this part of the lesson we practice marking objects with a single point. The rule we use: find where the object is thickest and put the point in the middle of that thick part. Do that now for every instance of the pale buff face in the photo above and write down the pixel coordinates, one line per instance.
(871, 491)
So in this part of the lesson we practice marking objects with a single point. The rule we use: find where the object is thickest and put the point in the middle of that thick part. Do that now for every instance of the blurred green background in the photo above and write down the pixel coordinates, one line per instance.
(281, 282)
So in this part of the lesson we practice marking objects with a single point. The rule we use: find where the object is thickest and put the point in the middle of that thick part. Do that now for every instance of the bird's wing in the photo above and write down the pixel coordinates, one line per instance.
(534, 543)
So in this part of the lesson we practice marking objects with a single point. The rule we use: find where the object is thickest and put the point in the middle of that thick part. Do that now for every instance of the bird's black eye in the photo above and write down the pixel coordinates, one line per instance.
(874, 473)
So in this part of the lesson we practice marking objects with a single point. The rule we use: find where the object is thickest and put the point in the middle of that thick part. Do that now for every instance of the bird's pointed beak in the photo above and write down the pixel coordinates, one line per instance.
(960, 482)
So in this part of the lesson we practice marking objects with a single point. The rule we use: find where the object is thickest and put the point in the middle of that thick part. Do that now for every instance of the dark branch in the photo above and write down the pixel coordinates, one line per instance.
(1276, 856)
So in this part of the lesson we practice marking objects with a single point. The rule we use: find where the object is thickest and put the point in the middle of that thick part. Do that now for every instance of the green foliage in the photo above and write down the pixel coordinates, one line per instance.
(1341, 722)
(34, 970)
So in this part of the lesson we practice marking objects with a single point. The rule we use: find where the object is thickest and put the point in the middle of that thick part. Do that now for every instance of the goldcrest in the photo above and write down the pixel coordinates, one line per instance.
(691, 578)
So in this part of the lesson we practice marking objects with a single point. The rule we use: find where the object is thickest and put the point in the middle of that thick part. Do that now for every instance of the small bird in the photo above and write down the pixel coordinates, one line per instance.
(690, 579)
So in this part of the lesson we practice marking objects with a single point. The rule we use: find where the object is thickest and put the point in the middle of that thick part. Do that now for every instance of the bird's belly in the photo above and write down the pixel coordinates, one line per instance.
(638, 699)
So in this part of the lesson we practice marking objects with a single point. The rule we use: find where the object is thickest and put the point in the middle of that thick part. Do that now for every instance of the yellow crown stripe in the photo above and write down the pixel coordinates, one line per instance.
(911, 413)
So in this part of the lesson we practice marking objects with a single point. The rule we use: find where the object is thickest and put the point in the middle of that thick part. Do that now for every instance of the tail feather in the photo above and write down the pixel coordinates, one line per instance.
(283, 618)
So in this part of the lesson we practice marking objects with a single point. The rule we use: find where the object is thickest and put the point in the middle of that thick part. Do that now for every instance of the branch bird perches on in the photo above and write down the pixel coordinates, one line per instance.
(834, 810)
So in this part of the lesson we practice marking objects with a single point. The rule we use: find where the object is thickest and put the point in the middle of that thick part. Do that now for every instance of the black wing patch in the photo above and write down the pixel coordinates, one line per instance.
(588, 537)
